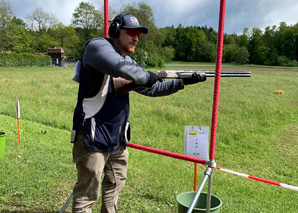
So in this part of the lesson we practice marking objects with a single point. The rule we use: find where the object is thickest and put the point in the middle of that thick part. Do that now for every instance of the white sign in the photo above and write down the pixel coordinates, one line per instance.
(196, 141)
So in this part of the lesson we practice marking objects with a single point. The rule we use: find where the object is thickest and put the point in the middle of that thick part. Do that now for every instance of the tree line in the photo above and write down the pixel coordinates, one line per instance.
(277, 46)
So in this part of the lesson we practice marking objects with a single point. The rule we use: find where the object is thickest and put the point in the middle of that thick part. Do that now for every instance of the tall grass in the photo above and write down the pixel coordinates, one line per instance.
(256, 135)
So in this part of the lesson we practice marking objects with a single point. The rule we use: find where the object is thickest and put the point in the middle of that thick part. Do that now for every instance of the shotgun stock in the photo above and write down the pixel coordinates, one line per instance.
(180, 74)
(122, 86)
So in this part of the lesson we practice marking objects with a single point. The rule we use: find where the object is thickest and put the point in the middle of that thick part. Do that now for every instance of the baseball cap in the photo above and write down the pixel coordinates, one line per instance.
(131, 22)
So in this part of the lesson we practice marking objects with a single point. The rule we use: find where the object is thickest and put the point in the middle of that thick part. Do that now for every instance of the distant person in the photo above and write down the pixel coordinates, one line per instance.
(101, 128)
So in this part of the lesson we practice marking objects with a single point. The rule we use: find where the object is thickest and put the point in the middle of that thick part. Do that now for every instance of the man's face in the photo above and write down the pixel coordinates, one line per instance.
(128, 40)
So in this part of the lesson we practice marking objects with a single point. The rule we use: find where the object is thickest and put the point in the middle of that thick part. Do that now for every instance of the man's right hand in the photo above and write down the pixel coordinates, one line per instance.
(153, 78)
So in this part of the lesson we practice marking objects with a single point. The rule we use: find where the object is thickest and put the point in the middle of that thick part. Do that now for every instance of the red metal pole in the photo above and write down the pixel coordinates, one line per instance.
(195, 177)
(106, 17)
(258, 179)
(167, 153)
(217, 78)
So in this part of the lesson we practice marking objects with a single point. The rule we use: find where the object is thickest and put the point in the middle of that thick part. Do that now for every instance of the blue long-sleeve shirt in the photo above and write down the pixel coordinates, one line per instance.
(104, 115)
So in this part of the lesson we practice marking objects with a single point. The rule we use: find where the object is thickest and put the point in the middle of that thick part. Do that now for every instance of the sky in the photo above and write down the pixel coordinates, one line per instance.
(239, 14)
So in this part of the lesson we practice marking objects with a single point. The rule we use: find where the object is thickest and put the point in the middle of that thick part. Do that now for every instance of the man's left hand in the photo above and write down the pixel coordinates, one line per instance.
(195, 78)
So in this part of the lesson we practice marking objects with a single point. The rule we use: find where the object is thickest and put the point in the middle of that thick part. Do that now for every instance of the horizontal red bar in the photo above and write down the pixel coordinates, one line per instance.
(264, 180)
(167, 153)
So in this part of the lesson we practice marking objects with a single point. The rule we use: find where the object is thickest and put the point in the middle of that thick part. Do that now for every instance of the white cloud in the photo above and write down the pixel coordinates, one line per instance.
(282, 14)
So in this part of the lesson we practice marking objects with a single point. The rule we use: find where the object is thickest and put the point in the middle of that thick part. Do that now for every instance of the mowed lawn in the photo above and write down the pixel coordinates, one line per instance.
(257, 134)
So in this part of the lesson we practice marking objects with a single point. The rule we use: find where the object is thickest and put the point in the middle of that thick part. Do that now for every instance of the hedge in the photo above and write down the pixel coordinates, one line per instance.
(24, 59)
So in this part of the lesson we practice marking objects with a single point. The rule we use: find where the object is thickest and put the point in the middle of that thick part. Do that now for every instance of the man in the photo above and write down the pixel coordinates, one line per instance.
(100, 123)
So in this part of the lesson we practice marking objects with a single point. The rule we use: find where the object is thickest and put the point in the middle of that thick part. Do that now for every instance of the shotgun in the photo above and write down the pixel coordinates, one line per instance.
(122, 85)
(180, 74)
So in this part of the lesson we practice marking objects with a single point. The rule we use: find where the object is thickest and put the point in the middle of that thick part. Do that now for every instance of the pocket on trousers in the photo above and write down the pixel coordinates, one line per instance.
(102, 133)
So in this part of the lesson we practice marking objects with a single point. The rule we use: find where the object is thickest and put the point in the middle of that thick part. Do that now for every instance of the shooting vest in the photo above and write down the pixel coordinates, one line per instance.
(100, 115)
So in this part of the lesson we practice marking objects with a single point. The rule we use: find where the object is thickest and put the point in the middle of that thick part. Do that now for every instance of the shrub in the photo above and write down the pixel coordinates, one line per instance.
(286, 62)
(24, 59)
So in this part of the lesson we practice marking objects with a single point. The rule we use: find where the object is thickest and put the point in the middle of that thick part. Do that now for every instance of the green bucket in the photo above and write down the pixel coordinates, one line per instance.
(185, 199)
(2, 144)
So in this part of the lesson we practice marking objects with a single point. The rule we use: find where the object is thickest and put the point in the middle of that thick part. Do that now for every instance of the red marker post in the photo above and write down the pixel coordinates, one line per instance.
(18, 121)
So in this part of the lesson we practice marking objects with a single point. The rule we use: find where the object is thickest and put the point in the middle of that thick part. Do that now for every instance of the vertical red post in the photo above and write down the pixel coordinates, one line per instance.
(195, 177)
(217, 77)
(106, 17)
(18, 121)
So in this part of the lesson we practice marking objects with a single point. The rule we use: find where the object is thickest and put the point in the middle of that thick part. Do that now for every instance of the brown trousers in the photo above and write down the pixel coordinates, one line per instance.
(90, 166)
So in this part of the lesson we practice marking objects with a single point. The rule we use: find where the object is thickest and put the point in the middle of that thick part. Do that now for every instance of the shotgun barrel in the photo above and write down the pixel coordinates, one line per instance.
(122, 85)
(180, 74)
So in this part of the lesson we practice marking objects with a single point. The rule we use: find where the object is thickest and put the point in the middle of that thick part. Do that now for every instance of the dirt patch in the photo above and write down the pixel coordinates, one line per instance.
(289, 145)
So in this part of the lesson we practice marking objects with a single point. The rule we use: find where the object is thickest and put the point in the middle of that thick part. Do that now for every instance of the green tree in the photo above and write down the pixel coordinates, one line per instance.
(87, 20)
(229, 39)
(180, 52)
(149, 51)
(43, 41)
(243, 39)
(168, 35)
(208, 52)
(287, 36)
(258, 51)
(212, 37)
(295, 29)
(6, 14)
(268, 36)
(242, 56)
(20, 40)
(195, 44)
(276, 46)
(66, 38)
(168, 53)
(230, 52)
(189, 44)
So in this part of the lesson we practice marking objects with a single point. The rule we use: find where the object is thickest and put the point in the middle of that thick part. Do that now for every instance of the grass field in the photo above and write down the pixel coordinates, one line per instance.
(257, 134)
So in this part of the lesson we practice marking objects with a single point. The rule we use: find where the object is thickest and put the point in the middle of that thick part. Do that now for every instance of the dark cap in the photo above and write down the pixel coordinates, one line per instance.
(131, 22)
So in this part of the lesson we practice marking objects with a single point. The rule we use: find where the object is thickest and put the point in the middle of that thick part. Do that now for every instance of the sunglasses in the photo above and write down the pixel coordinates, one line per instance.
(133, 33)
